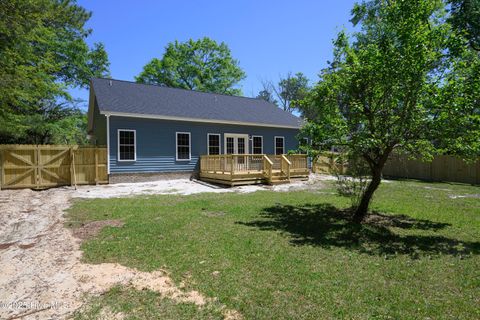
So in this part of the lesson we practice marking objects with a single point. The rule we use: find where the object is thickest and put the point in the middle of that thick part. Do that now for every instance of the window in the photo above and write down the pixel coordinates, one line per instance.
(183, 146)
(257, 144)
(127, 145)
(213, 143)
(230, 145)
(279, 145)
(240, 145)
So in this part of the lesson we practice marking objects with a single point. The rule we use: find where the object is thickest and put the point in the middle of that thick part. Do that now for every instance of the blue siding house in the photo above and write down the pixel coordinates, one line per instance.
(151, 129)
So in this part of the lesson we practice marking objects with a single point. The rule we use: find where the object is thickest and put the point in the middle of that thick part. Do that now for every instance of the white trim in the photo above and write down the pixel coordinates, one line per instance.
(153, 116)
(275, 144)
(219, 142)
(189, 146)
(108, 143)
(253, 146)
(134, 145)
(235, 137)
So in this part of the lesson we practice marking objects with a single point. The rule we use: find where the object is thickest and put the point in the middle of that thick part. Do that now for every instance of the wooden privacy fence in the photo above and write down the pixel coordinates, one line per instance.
(44, 166)
(329, 163)
(442, 168)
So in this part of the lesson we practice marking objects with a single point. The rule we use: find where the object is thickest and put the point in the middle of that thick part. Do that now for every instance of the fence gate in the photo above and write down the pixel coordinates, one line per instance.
(30, 166)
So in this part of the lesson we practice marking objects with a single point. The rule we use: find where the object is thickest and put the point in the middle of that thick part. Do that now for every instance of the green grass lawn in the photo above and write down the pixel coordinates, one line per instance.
(296, 255)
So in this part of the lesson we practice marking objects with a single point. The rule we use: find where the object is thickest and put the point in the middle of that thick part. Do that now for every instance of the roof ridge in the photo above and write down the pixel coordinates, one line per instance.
(189, 90)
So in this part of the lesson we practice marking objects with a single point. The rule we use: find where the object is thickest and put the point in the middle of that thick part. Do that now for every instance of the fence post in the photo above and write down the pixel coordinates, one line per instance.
(2, 174)
(96, 165)
(72, 168)
(431, 170)
(36, 156)
(478, 171)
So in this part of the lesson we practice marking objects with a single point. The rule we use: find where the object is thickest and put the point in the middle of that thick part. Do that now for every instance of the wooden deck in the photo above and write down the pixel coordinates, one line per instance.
(242, 169)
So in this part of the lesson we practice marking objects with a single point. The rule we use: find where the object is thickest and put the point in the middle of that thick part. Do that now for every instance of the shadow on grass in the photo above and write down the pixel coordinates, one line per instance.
(326, 226)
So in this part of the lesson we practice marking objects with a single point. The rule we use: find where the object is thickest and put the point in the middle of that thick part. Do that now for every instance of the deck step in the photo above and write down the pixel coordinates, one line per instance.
(277, 182)
(279, 179)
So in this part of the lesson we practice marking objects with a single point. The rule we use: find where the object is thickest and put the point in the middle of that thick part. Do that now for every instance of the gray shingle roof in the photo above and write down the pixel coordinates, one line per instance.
(141, 99)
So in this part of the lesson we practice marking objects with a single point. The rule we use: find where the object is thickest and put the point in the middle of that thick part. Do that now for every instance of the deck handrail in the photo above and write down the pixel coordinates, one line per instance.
(288, 164)
(299, 155)
(231, 154)
(233, 164)
(268, 168)
(299, 161)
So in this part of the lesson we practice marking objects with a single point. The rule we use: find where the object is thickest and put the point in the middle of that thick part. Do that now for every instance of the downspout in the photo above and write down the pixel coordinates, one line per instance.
(108, 142)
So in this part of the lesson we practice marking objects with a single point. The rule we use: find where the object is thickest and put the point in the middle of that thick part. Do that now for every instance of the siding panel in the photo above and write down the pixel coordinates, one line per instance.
(156, 142)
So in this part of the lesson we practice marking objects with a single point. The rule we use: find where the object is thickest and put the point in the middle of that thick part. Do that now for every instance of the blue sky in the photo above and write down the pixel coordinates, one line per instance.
(269, 38)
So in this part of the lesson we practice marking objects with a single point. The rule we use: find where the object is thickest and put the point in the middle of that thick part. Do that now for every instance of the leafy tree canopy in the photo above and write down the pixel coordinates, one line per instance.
(202, 65)
(267, 95)
(465, 18)
(289, 91)
(42, 53)
(395, 85)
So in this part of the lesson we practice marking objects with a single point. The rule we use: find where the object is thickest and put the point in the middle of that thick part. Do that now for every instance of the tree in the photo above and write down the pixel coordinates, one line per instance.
(382, 90)
(465, 18)
(289, 91)
(56, 123)
(267, 94)
(202, 65)
(42, 53)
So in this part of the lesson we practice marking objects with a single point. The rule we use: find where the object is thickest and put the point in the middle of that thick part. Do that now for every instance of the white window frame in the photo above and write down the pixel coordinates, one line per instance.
(134, 145)
(261, 146)
(235, 137)
(275, 144)
(219, 142)
(189, 146)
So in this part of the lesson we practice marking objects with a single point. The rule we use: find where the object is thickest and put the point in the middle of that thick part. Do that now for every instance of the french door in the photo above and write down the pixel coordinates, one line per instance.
(236, 143)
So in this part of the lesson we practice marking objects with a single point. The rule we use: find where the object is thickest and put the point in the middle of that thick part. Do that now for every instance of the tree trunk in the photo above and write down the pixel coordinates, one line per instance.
(362, 209)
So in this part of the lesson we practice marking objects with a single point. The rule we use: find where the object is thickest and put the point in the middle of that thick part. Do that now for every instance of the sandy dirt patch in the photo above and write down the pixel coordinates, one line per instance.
(41, 272)
(91, 229)
(186, 187)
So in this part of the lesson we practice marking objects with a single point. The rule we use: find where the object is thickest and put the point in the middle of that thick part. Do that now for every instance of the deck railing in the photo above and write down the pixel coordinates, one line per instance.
(298, 161)
(253, 163)
(267, 168)
(233, 163)
(285, 166)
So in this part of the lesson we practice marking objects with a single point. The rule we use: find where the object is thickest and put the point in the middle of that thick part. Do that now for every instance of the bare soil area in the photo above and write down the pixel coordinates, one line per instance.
(42, 275)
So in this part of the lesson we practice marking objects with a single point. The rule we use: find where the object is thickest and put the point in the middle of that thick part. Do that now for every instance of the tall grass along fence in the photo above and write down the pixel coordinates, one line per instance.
(44, 166)
(442, 168)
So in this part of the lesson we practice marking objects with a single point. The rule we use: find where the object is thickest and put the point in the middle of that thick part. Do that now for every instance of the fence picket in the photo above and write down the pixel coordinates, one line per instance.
(442, 168)
(41, 166)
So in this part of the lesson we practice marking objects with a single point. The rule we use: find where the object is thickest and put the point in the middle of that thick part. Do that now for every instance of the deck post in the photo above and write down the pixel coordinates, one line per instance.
(231, 166)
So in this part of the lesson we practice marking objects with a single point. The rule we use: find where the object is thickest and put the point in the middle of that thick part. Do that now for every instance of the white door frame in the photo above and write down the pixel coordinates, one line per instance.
(235, 137)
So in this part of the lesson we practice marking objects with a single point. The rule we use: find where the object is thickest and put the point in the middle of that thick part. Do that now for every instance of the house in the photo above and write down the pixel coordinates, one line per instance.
(151, 130)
